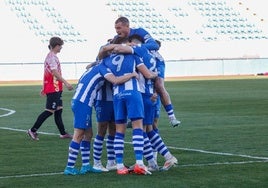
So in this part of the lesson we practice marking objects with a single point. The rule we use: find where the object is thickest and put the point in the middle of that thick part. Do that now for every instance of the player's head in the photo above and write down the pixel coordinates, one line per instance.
(55, 43)
(122, 26)
(119, 40)
(135, 39)
(158, 42)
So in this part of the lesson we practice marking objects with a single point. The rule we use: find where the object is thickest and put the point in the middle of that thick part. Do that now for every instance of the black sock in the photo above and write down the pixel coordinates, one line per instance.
(58, 121)
(40, 120)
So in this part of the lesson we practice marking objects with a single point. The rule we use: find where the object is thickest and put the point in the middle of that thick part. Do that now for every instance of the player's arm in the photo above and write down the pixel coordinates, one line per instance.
(123, 49)
(91, 64)
(60, 78)
(148, 40)
(146, 72)
(120, 79)
(105, 51)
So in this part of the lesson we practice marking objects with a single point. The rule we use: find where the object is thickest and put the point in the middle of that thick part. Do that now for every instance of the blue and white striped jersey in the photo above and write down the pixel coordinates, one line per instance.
(122, 64)
(146, 85)
(89, 83)
(105, 93)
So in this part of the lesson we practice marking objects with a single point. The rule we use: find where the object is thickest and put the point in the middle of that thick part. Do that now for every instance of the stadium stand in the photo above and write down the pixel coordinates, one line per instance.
(192, 32)
(29, 12)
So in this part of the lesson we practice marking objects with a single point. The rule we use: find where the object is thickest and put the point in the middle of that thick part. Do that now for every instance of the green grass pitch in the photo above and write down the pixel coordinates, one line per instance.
(223, 140)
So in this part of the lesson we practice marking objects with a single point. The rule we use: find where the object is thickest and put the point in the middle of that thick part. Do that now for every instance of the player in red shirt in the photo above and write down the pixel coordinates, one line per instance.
(52, 89)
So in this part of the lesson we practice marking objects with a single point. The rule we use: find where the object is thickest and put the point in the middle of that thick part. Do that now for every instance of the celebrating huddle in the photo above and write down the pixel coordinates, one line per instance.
(124, 83)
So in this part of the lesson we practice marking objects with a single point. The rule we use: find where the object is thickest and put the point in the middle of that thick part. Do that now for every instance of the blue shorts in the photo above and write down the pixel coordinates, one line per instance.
(82, 115)
(104, 111)
(128, 104)
(149, 110)
(160, 66)
(157, 108)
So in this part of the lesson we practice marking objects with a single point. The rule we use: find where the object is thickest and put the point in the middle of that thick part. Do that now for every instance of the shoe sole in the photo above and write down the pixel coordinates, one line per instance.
(29, 134)
(100, 170)
(165, 168)
(70, 173)
(142, 172)
(176, 125)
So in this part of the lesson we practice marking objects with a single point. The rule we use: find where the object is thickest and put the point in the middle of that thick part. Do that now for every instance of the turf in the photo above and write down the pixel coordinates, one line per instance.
(222, 141)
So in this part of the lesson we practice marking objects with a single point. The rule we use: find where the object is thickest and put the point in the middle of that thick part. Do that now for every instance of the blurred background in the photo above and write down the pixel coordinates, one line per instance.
(199, 37)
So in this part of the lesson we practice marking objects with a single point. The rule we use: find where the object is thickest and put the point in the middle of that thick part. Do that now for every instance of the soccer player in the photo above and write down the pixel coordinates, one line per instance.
(161, 90)
(52, 89)
(105, 120)
(82, 103)
(149, 102)
(128, 104)
(122, 28)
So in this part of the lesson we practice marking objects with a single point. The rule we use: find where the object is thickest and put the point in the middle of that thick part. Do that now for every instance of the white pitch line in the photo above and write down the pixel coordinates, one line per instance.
(22, 130)
(10, 112)
(170, 147)
(188, 165)
(30, 175)
(224, 163)
(219, 153)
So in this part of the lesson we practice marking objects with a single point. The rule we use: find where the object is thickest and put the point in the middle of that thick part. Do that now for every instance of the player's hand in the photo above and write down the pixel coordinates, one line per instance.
(42, 94)
(136, 75)
(69, 86)
(154, 97)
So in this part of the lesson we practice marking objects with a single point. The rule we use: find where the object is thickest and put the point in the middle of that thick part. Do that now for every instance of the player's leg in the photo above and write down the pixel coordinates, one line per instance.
(104, 115)
(74, 148)
(135, 110)
(111, 164)
(98, 146)
(58, 116)
(164, 95)
(166, 101)
(119, 147)
(120, 125)
(50, 109)
(149, 110)
(82, 127)
(160, 146)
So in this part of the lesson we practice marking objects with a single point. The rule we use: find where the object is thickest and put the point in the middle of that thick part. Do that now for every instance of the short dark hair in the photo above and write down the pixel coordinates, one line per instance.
(119, 40)
(54, 41)
(122, 19)
(135, 37)
(158, 42)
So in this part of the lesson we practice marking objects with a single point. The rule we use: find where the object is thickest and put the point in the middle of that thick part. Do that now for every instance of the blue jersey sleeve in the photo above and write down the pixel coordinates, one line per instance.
(138, 60)
(148, 40)
(104, 70)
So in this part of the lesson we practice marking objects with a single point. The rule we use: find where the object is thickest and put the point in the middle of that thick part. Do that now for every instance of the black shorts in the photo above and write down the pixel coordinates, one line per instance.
(54, 100)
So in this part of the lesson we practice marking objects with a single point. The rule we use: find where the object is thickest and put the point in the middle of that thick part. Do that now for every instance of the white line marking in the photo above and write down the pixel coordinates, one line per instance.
(22, 130)
(170, 147)
(219, 153)
(224, 163)
(189, 165)
(10, 112)
(263, 159)
(30, 175)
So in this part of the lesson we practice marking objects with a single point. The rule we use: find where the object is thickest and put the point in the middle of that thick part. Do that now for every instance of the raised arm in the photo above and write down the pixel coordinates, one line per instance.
(106, 50)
